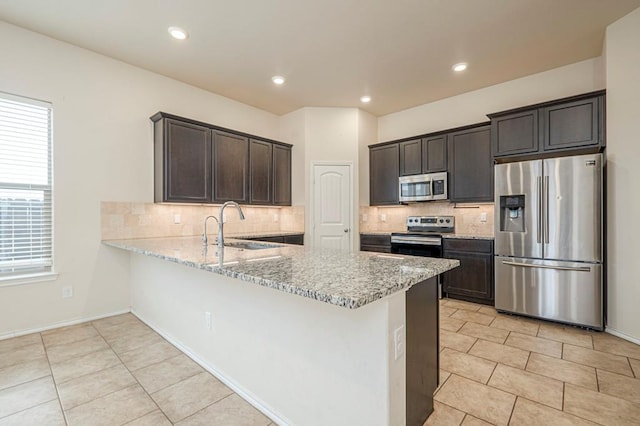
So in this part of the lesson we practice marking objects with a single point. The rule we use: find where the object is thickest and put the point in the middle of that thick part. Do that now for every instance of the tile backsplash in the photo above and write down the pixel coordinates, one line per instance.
(147, 220)
(467, 217)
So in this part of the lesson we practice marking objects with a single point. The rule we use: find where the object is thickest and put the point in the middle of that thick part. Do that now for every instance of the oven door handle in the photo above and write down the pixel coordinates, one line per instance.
(417, 241)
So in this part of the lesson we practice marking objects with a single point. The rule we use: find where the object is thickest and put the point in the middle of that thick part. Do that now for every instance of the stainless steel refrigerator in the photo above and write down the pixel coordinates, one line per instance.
(549, 239)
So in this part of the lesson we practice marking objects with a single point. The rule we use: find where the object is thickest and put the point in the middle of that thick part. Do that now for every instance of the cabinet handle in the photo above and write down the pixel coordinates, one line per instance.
(546, 210)
(346, 230)
(539, 209)
(560, 268)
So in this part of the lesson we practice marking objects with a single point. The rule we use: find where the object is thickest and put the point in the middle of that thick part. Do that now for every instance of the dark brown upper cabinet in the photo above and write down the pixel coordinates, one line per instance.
(427, 155)
(281, 175)
(470, 165)
(230, 168)
(384, 170)
(434, 154)
(572, 124)
(182, 153)
(197, 162)
(568, 124)
(411, 157)
(261, 172)
(515, 133)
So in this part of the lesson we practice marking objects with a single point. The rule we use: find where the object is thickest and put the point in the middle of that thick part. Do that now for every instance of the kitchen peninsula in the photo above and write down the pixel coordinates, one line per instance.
(359, 347)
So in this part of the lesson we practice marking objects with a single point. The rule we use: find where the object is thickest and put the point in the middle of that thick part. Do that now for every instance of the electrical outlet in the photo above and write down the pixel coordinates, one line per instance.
(365, 217)
(176, 219)
(383, 217)
(276, 217)
(67, 292)
(208, 321)
(398, 342)
(483, 217)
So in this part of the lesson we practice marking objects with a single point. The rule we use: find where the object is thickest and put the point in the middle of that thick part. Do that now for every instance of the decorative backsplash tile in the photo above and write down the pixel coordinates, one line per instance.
(467, 217)
(147, 220)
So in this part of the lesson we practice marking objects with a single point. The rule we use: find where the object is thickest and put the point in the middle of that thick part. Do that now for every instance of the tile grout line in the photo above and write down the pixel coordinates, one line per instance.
(53, 379)
(513, 408)
(215, 402)
(137, 382)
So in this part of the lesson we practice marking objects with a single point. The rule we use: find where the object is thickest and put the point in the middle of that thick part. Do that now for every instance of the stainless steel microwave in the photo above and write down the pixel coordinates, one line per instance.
(427, 187)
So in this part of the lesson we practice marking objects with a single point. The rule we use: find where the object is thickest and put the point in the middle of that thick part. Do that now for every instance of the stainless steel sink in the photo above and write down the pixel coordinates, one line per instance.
(250, 245)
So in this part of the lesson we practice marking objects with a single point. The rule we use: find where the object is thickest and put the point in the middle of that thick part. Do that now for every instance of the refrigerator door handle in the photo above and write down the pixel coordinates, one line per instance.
(546, 209)
(539, 209)
(560, 268)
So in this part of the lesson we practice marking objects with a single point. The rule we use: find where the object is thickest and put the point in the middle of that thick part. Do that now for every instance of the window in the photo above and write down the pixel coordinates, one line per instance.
(25, 188)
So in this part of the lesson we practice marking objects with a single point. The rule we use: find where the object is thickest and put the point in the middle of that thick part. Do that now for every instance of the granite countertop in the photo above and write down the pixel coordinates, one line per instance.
(469, 236)
(242, 235)
(346, 279)
(444, 235)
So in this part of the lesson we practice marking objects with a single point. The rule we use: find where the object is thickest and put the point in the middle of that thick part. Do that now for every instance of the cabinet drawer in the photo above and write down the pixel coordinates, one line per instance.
(468, 245)
(375, 240)
(294, 239)
(378, 249)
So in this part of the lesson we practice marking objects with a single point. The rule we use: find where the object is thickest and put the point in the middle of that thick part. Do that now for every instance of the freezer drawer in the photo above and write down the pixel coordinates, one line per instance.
(568, 292)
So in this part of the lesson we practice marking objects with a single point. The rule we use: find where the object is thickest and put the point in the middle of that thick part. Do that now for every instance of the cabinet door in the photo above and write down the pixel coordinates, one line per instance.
(183, 161)
(294, 239)
(281, 175)
(571, 125)
(375, 242)
(434, 154)
(230, 168)
(410, 158)
(384, 170)
(515, 133)
(260, 172)
(473, 278)
(470, 165)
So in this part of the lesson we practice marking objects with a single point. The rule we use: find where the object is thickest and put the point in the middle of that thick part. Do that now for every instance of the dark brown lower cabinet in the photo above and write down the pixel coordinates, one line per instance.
(375, 242)
(422, 353)
(297, 239)
(473, 279)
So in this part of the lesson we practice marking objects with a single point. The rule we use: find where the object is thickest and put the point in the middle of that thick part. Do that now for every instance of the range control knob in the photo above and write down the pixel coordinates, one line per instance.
(448, 220)
(441, 220)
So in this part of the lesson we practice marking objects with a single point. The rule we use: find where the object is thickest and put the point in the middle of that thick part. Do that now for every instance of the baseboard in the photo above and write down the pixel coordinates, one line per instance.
(60, 324)
(622, 335)
(247, 396)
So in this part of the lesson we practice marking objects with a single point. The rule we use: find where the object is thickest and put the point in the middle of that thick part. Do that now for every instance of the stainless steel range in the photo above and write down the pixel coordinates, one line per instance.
(423, 236)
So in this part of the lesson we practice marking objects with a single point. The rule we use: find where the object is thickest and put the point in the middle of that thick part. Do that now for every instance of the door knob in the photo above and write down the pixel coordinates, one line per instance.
(346, 230)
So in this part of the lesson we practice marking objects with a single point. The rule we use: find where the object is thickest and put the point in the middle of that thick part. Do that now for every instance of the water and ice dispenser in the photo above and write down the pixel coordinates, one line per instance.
(512, 213)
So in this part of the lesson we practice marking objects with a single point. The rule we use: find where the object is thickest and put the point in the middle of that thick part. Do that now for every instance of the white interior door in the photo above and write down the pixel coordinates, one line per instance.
(332, 206)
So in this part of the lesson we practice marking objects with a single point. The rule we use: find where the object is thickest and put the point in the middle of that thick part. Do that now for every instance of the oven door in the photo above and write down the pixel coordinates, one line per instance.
(415, 188)
(412, 246)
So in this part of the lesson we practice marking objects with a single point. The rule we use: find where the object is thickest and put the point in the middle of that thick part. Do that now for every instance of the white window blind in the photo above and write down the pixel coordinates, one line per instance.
(25, 186)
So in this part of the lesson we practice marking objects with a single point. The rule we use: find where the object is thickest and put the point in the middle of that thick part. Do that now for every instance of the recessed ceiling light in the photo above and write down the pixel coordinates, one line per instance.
(459, 67)
(277, 79)
(365, 99)
(178, 33)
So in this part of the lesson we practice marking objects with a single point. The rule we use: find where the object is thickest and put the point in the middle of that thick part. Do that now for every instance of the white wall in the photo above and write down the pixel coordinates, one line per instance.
(367, 135)
(472, 107)
(300, 361)
(623, 173)
(102, 151)
(293, 131)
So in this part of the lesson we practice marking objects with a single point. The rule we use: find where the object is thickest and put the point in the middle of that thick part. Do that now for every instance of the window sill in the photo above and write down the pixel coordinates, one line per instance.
(28, 279)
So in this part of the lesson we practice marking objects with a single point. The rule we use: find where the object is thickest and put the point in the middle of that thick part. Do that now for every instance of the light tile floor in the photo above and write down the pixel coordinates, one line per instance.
(502, 369)
(495, 369)
(113, 371)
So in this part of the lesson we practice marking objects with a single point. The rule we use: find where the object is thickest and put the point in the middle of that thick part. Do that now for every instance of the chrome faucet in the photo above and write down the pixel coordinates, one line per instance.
(221, 221)
(204, 235)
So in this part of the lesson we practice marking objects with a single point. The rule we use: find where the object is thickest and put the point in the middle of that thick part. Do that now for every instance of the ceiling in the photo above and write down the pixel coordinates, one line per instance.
(331, 51)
